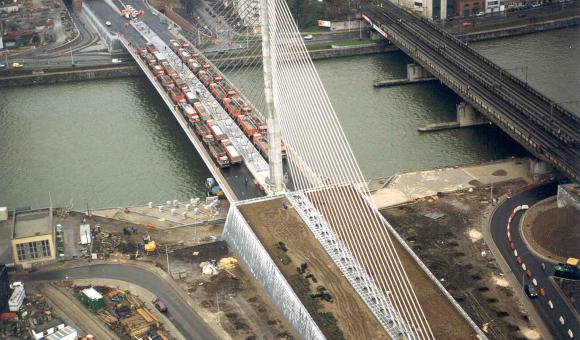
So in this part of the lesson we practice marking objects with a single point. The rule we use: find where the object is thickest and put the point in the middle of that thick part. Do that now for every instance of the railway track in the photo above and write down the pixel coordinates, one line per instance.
(468, 76)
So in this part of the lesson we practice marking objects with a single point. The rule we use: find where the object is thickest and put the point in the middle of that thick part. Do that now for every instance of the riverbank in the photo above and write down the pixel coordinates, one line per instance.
(52, 76)
(429, 184)
(481, 32)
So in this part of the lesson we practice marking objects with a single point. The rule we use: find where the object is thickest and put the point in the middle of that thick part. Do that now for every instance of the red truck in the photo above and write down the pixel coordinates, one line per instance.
(150, 48)
(202, 130)
(193, 65)
(236, 106)
(219, 93)
(203, 116)
(204, 78)
(176, 96)
(181, 85)
(169, 70)
(166, 81)
(261, 143)
(189, 113)
(158, 70)
(219, 154)
(231, 151)
(247, 125)
(216, 131)
(174, 45)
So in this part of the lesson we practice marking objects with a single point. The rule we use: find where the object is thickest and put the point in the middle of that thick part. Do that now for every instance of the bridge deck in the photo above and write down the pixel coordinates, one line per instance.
(546, 129)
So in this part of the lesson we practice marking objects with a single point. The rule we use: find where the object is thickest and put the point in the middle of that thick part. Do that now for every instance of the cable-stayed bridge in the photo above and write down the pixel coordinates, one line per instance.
(320, 177)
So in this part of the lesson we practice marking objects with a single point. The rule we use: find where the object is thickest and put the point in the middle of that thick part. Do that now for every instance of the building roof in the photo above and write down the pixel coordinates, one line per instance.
(92, 294)
(61, 333)
(32, 223)
(47, 325)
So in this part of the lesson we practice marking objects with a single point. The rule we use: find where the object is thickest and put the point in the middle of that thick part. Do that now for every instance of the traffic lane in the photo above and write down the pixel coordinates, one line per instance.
(185, 319)
(106, 13)
(499, 234)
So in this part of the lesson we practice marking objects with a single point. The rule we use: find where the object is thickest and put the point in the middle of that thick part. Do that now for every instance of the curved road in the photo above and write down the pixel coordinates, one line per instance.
(498, 227)
(185, 319)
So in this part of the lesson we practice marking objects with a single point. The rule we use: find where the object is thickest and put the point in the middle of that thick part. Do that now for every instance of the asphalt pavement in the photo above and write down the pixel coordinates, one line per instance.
(499, 221)
(183, 317)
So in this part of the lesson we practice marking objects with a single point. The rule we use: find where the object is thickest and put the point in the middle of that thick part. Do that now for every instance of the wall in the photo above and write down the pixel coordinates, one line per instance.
(520, 30)
(248, 248)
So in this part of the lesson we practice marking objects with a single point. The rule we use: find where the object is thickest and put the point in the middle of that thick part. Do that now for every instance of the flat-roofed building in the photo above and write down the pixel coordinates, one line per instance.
(33, 237)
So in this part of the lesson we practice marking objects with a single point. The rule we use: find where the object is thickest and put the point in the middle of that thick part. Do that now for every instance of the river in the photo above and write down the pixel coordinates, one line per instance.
(113, 142)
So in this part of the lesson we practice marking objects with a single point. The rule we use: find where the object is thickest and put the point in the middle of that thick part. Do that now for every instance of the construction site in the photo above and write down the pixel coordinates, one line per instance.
(445, 231)
(34, 23)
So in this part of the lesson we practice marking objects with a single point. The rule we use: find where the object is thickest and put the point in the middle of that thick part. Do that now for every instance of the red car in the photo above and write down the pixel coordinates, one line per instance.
(160, 305)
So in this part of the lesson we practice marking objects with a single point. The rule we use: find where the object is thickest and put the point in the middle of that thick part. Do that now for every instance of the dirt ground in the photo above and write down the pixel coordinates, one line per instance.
(553, 232)
(245, 312)
(273, 224)
(446, 233)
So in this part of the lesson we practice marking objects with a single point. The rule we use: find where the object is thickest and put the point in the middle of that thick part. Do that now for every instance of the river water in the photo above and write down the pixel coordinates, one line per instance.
(113, 142)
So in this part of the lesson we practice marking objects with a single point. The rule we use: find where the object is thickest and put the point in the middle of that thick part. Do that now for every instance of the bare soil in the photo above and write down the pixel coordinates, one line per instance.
(444, 320)
(451, 246)
(273, 224)
(553, 232)
(245, 311)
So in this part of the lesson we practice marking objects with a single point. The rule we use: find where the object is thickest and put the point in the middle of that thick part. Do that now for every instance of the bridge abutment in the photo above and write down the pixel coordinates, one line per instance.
(539, 168)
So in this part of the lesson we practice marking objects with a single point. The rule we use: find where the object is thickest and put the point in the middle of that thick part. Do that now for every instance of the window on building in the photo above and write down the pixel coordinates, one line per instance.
(21, 252)
(33, 250)
(45, 248)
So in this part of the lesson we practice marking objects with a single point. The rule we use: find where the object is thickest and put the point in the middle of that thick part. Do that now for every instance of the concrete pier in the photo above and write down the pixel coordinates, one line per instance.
(466, 116)
(415, 74)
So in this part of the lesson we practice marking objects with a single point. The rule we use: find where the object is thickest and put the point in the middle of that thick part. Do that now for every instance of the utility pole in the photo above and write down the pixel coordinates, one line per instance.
(72, 60)
(272, 119)
(167, 258)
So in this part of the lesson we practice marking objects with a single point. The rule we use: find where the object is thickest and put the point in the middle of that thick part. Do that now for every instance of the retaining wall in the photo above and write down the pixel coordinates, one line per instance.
(248, 248)
(71, 75)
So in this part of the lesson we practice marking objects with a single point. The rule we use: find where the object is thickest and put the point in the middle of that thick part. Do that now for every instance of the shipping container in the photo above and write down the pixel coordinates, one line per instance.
(16, 299)
(158, 70)
(204, 78)
(190, 97)
(92, 299)
(236, 106)
(203, 116)
(166, 81)
(176, 96)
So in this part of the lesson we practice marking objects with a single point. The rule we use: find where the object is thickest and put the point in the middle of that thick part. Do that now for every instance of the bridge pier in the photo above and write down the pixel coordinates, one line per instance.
(415, 74)
(468, 116)
(539, 168)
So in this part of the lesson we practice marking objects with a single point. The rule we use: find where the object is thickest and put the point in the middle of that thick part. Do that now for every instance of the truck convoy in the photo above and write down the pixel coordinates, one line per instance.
(221, 149)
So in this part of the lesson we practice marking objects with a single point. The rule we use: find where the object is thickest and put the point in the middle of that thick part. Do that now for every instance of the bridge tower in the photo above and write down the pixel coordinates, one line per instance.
(272, 119)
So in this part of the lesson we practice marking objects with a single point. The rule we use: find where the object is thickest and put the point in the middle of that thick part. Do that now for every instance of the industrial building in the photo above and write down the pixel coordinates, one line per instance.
(32, 237)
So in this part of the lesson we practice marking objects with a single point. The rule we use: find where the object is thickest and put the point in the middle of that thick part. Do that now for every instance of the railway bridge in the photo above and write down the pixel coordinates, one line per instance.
(546, 129)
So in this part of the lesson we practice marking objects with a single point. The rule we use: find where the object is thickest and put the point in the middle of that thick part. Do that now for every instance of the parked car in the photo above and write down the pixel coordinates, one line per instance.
(160, 305)
(108, 23)
(116, 61)
(480, 14)
(17, 65)
(308, 37)
(531, 291)
(3, 66)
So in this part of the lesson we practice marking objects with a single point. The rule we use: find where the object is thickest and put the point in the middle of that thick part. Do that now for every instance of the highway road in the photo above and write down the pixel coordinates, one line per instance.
(184, 317)
(498, 226)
